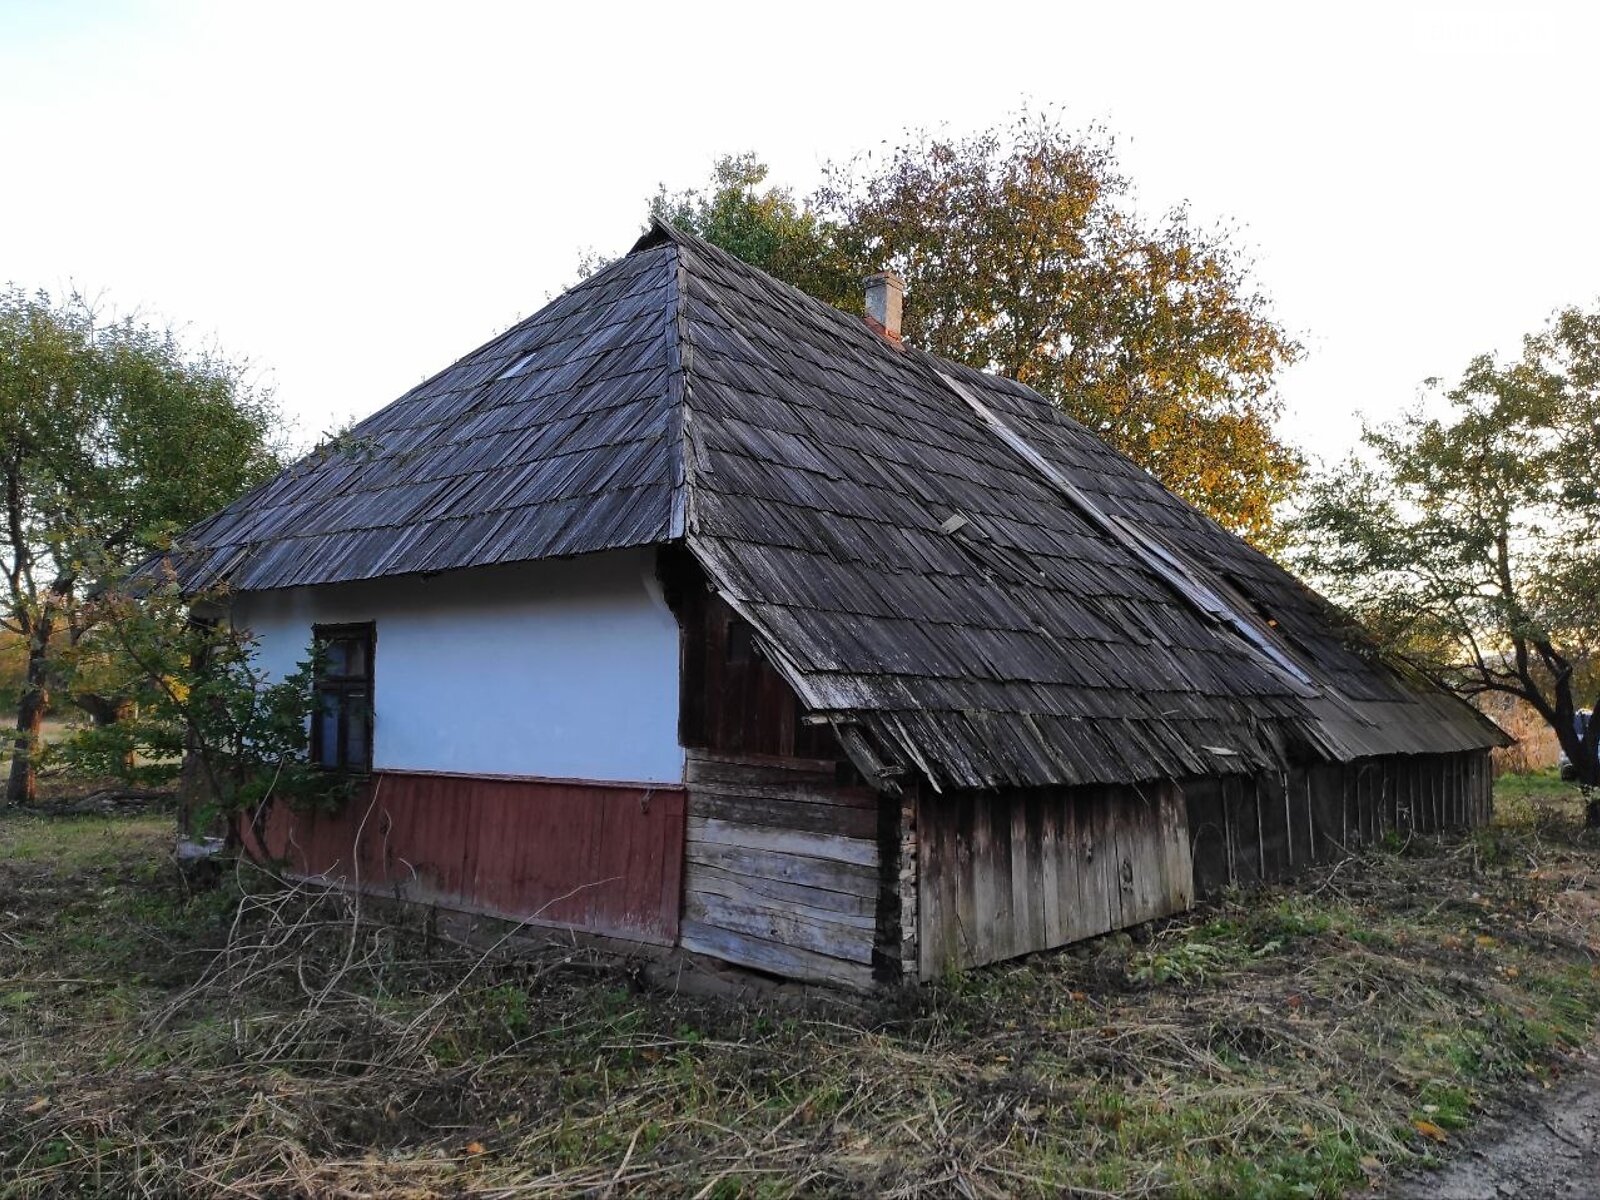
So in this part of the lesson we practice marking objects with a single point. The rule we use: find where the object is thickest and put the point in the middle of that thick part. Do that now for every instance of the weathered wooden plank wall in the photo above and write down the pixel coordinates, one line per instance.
(596, 857)
(782, 868)
(1003, 874)
(1270, 827)
(733, 699)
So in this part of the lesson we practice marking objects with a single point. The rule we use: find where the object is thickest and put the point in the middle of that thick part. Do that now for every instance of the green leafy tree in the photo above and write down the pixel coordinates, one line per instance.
(1469, 536)
(112, 435)
(202, 709)
(767, 228)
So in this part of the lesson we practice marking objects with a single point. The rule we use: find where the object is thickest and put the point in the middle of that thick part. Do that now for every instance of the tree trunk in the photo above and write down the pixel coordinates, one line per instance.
(104, 710)
(22, 786)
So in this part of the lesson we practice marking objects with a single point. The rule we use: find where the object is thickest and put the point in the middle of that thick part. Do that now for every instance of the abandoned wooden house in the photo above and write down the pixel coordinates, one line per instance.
(695, 612)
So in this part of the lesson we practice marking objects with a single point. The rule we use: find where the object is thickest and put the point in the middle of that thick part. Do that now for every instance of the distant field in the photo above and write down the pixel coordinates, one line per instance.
(55, 728)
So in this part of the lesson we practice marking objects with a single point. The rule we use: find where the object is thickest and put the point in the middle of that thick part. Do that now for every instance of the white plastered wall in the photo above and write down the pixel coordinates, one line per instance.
(565, 669)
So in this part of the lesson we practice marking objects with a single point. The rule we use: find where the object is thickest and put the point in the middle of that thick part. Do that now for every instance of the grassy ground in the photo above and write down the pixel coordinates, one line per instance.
(159, 1038)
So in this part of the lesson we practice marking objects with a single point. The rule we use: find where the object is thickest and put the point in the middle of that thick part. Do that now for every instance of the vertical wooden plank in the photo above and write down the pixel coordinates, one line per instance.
(979, 921)
(1206, 819)
(1458, 779)
(1394, 797)
(1296, 819)
(1126, 814)
(1311, 816)
(1348, 832)
(1179, 883)
(1428, 798)
(1107, 824)
(969, 852)
(1053, 871)
(1438, 770)
(1485, 787)
(1082, 899)
(1152, 890)
(997, 922)
(1245, 821)
(1092, 912)
(669, 893)
(1230, 827)
(1428, 781)
(1395, 783)
(1270, 792)
(1450, 784)
(1421, 802)
(949, 853)
(1027, 868)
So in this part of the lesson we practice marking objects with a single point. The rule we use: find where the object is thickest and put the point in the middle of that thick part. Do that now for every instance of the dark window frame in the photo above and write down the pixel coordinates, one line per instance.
(347, 688)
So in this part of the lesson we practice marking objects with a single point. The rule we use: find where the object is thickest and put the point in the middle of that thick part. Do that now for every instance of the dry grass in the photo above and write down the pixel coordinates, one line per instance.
(253, 1039)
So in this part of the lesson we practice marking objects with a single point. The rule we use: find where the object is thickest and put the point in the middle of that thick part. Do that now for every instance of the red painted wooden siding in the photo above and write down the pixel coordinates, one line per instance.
(598, 857)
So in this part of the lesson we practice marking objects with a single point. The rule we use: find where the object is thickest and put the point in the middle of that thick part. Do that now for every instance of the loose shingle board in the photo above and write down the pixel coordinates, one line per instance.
(946, 580)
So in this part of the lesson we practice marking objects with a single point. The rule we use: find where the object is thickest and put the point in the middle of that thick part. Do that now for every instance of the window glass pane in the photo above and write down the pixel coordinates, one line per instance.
(357, 725)
(334, 652)
(355, 658)
(328, 729)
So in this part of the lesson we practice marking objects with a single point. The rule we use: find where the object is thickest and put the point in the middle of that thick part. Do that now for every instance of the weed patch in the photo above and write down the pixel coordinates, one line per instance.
(268, 1039)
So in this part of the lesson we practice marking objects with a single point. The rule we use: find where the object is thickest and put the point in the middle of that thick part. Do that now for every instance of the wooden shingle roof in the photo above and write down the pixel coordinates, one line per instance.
(963, 580)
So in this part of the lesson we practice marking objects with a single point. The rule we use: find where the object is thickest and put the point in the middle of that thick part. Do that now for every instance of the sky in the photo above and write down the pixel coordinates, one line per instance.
(354, 195)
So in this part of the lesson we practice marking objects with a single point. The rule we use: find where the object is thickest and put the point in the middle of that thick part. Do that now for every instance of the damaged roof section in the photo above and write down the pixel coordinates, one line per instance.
(967, 583)
(979, 588)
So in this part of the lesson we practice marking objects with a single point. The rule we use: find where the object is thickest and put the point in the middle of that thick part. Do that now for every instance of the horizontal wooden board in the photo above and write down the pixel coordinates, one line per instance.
(821, 873)
(788, 926)
(781, 868)
(765, 781)
(792, 961)
(784, 841)
(763, 888)
(787, 813)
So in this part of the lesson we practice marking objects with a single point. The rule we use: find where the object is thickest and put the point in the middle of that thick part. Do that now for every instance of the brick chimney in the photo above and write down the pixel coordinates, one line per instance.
(885, 292)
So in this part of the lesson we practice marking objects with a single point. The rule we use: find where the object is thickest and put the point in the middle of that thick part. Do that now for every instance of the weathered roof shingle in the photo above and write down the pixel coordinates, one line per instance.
(967, 582)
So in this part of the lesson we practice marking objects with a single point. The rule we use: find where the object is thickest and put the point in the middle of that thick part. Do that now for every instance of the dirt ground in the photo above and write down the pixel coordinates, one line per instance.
(1546, 1146)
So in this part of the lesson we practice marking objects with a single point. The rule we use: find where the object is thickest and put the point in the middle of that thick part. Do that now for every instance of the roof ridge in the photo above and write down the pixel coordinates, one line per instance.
(657, 231)
(1172, 569)
(680, 364)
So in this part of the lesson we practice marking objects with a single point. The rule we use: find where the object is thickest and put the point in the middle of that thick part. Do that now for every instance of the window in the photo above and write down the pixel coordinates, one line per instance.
(341, 727)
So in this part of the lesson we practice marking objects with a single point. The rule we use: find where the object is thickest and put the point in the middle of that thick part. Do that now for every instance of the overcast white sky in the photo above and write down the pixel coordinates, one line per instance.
(353, 195)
